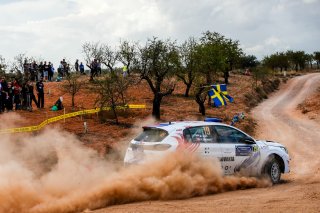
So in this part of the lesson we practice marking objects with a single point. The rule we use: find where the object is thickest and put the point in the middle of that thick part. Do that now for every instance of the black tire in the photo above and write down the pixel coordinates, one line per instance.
(273, 170)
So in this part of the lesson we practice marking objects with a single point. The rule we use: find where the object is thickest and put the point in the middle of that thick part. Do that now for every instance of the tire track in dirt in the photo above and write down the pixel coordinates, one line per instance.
(278, 120)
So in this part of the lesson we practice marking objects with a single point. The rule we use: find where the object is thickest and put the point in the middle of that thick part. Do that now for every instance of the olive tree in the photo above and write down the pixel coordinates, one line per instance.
(110, 90)
(72, 85)
(317, 58)
(189, 66)
(127, 54)
(156, 63)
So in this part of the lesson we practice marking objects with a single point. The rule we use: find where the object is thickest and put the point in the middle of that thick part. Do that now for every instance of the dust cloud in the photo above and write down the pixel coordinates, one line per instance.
(53, 172)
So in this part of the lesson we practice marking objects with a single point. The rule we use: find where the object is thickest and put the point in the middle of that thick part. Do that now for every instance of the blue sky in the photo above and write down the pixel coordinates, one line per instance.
(56, 29)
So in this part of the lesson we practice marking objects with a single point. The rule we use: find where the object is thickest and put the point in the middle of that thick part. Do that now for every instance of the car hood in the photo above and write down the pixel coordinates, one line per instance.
(269, 143)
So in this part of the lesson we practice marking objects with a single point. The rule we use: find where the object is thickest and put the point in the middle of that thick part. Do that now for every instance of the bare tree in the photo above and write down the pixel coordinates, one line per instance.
(111, 89)
(92, 51)
(127, 54)
(109, 57)
(72, 85)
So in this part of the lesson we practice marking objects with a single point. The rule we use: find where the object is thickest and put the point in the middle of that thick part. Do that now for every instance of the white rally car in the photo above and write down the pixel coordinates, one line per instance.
(237, 151)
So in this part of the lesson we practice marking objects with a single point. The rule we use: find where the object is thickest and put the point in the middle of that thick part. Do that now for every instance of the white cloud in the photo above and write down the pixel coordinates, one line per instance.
(55, 29)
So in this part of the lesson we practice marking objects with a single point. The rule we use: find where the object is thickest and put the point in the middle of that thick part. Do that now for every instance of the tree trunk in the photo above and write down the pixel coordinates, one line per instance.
(202, 109)
(186, 94)
(115, 114)
(201, 101)
(72, 101)
(156, 106)
(226, 77)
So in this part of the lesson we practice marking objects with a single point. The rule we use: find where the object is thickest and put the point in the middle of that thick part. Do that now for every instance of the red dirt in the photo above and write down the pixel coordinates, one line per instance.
(300, 191)
(103, 135)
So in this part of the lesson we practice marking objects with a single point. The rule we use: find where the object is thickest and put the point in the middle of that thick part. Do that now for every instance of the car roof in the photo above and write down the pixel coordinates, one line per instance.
(172, 126)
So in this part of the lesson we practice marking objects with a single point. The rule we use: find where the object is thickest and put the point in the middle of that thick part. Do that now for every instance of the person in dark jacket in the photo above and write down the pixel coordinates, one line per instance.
(40, 91)
(30, 94)
(10, 96)
(81, 66)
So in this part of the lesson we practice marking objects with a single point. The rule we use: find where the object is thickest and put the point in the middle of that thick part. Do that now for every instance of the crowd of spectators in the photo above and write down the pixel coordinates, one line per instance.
(19, 93)
(19, 96)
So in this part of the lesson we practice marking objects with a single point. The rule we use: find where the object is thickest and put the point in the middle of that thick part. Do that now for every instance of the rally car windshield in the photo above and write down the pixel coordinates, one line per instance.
(152, 135)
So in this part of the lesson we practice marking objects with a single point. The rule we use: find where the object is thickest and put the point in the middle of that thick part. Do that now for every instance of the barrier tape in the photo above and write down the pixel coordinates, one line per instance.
(68, 115)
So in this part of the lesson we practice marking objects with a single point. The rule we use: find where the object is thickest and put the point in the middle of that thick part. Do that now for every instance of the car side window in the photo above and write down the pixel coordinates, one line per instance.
(200, 134)
(230, 135)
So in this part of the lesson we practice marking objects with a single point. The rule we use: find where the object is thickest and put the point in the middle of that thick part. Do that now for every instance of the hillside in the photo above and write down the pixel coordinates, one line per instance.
(102, 136)
(311, 106)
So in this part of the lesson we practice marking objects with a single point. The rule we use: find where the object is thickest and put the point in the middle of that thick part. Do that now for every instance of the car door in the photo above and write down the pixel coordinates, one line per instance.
(205, 139)
(239, 151)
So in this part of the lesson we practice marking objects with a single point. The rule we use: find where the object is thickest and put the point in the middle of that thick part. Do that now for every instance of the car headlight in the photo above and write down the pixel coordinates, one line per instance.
(284, 149)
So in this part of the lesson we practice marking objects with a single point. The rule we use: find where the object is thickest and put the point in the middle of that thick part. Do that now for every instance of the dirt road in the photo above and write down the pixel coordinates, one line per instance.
(278, 120)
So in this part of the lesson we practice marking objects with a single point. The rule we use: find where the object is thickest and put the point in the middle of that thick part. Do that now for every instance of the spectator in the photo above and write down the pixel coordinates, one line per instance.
(4, 92)
(50, 71)
(40, 91)
(61, 70)
(33, 71)
(10, 95)
(25, 99)
(16, 92)
(64, 64)
(40, 70)
(45, 71)
(99, 67)
(31, 94)
(76, 65)
(58, 105)
(93, 69)
(81, 68)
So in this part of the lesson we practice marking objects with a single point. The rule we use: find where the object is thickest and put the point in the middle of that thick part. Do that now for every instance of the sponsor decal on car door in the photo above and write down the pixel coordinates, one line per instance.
(236, 153)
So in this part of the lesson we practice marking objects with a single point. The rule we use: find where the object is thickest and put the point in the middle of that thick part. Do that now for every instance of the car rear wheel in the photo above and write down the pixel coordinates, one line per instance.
(273, 170)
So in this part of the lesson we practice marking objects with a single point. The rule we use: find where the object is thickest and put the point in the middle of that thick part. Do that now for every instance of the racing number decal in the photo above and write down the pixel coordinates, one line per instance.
(206, 130)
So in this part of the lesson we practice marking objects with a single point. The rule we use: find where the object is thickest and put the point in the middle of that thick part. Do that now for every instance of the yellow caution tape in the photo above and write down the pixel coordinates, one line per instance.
(68, 115)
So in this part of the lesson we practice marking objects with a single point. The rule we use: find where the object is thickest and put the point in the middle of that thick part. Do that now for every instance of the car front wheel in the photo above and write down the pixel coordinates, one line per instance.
(273, 171)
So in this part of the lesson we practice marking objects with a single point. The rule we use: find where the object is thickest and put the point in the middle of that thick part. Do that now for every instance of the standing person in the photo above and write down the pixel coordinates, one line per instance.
(10, 95)
(40, 91)
(76, 65)
(81, 68)
(40, 69)
(61, 70)
(124, 71)
(36, 71)
(93, 69)
(16, 92)
(99, 70)
(64, 64)
(24, 92)
(45, 71)
(32, 96)
(4, 89)
(50, 71)
(67, 69)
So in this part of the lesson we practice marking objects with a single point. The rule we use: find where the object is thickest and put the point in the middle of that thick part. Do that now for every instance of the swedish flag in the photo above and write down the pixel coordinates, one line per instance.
(219, 94)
